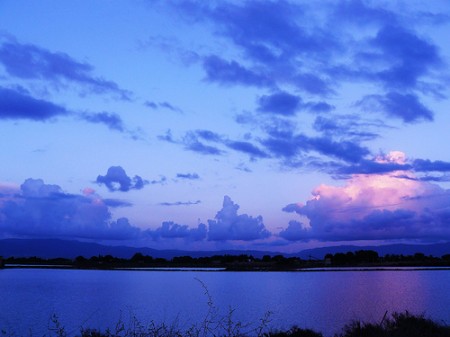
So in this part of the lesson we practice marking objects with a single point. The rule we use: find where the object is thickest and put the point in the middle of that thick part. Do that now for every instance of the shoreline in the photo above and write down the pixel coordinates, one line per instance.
(220, 269)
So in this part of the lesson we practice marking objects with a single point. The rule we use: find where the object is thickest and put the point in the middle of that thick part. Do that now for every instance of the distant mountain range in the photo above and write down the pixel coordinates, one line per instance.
(53, 248)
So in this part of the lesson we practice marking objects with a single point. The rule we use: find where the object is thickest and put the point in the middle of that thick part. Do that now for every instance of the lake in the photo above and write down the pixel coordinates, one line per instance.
(323, 301)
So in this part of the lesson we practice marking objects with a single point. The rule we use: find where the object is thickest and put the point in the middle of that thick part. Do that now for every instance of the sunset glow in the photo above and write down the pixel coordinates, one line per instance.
(270, 125)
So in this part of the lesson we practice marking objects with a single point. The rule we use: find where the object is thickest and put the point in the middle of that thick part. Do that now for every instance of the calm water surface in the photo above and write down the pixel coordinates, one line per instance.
(324, 301)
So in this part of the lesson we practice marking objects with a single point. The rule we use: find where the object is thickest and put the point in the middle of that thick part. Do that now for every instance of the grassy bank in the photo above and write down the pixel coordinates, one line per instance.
(397, 325)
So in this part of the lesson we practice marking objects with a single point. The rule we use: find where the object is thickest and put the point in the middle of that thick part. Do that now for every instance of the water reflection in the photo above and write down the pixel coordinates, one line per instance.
(323, 301)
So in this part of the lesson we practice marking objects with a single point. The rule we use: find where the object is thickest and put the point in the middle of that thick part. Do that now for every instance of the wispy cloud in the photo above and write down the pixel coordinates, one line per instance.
(188, 176)
(18, 104)
(180, 203)
(28, 61)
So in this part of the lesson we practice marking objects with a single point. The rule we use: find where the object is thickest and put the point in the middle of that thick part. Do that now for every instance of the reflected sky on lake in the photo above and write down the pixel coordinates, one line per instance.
(323, 301)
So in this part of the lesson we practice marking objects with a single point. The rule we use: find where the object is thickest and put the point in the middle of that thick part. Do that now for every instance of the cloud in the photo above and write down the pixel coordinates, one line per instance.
(111, 120)
(294, 232)
(209, 136)
(37, 209)
(228, 73)
(346, 126)
(248, 148)
(291, 208)
(281, 103)
(425, 165)
(319, 107)
(180, 203)
(27, 61)
(396, 161)
(161, 180)
(228, 225)
(116, 179)
(283, 44)
(407, 56)
(188, 176)
(377, 206)
(171, 230)
(19, 105)
(404, 106)
(164, 105)
(289, 146)
(360, 13)
(272, 44)
(117, 203)
(191, 142)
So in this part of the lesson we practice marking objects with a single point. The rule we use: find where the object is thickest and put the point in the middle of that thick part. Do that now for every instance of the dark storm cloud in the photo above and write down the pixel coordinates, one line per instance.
(407, 107)
(228, 225)
(188, 176)
(111, 120)
(180, 203)
(20, 105)
(116, 179)
(27, 61)
(43, 210)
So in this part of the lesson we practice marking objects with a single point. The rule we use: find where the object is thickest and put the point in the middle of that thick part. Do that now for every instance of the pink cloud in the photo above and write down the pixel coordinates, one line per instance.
(88, 191)
(392, 205)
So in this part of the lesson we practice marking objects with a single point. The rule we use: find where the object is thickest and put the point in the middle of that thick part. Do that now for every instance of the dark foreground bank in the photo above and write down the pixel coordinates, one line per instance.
(397, 325)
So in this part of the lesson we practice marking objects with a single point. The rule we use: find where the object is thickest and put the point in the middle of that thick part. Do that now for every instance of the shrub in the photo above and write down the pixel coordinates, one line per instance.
(400, 325)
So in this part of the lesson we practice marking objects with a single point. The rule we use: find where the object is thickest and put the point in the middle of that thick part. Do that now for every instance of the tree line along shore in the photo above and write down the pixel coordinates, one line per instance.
(360, 258)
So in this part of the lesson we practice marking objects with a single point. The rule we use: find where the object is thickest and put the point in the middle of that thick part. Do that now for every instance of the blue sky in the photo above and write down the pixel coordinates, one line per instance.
(275, 125)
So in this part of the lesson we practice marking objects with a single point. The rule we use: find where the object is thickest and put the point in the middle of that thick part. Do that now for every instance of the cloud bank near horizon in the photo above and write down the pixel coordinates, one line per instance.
(378, 206)
(36, 209)
(392, 205)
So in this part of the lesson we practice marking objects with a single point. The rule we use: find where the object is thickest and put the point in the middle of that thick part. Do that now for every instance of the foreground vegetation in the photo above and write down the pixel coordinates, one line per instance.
(398, 325)
(359, 258)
